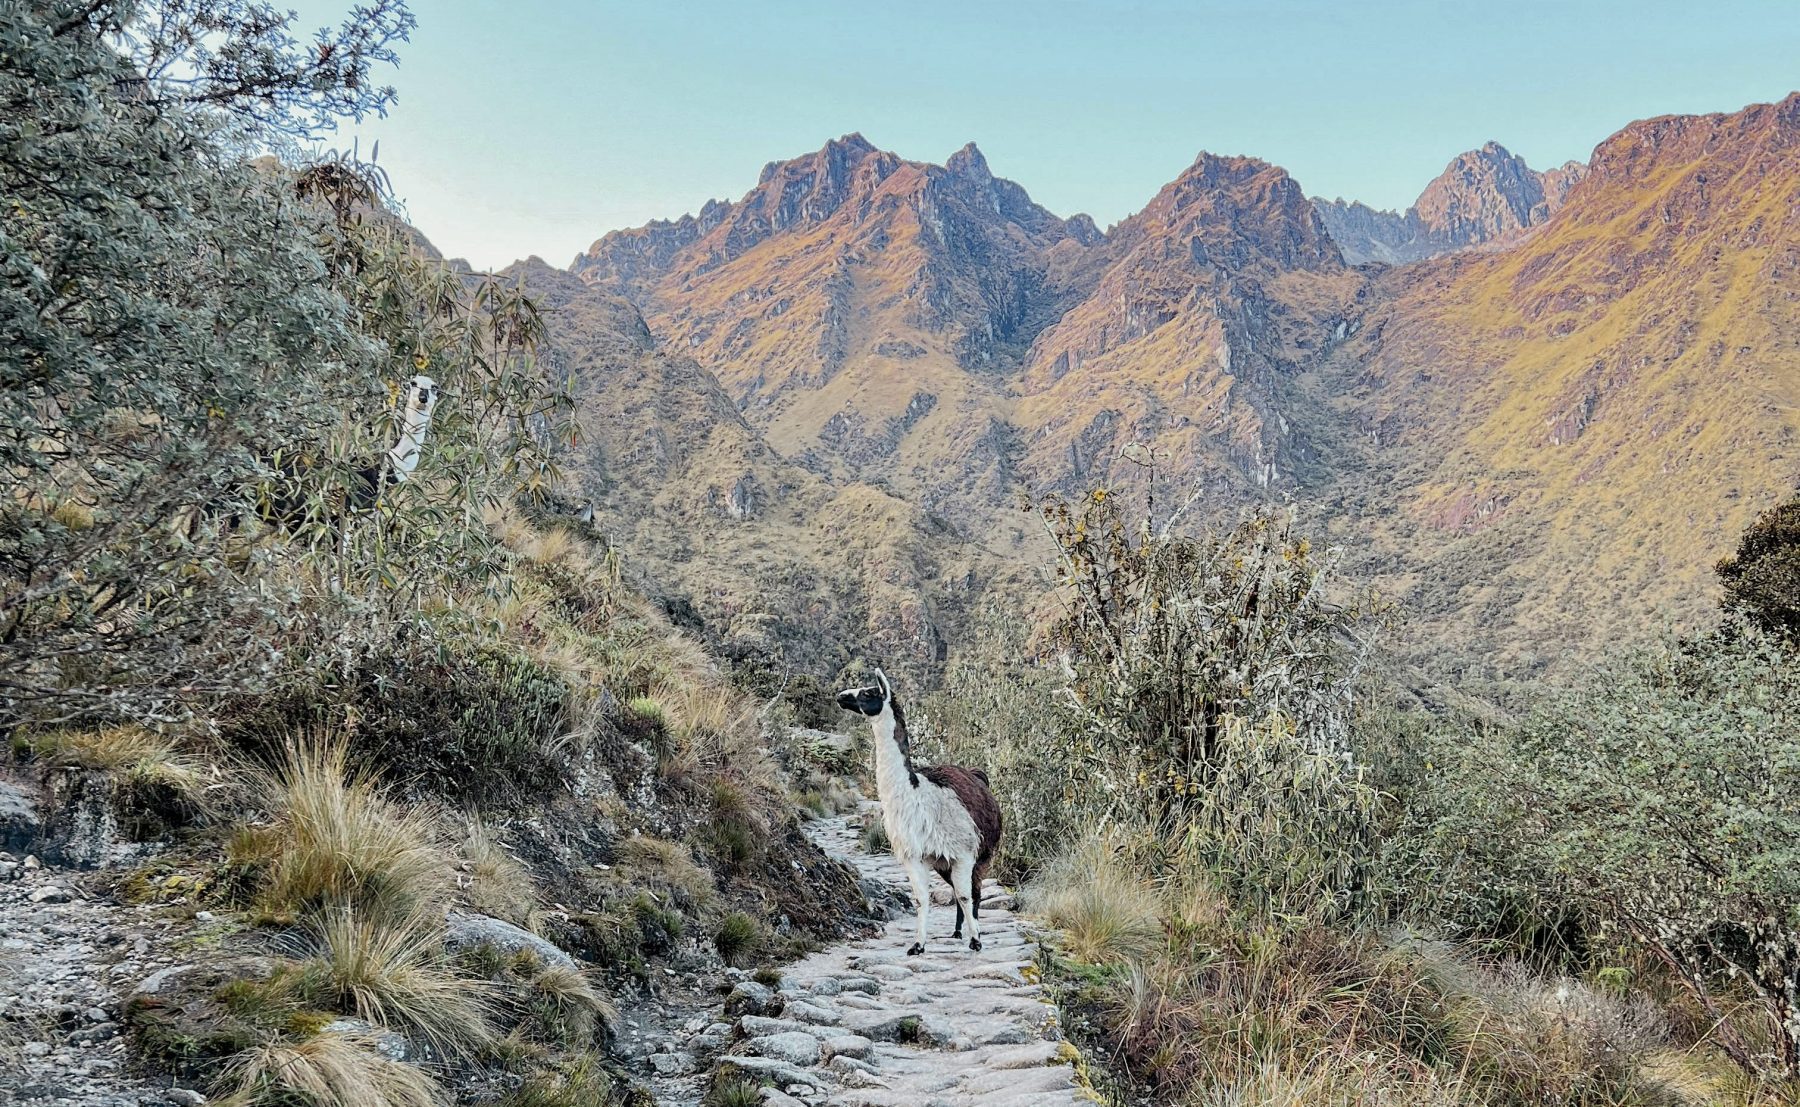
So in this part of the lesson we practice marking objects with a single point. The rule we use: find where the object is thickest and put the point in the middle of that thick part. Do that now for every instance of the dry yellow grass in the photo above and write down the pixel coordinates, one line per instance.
(1104, 910)
(338, 840)
(327, 1070)
(134, 754)
(391, 972)
(671, 863)
(497, 884)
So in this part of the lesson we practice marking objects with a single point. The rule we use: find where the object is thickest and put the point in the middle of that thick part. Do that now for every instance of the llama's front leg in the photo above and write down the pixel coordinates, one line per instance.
(961, 880)
(915, 875)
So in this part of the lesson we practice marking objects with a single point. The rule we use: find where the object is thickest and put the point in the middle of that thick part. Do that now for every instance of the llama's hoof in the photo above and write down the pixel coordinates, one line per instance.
(915, 949)
(975, 944)
(956, 933)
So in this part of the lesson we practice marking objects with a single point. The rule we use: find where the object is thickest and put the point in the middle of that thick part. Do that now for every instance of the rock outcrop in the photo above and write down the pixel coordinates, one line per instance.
(1484, 196)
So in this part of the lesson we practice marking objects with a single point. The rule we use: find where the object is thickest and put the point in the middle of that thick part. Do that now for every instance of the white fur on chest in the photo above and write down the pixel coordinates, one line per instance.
(924, 823)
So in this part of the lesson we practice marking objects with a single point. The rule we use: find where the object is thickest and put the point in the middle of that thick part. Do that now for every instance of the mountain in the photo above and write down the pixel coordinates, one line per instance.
(1483, 196)
(773, 564)
(860, 309)
(1540, 446)
(1219, 288)
(1560, 438)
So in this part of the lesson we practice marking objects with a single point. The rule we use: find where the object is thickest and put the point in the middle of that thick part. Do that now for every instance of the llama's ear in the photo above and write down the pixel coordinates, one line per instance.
(887, 690)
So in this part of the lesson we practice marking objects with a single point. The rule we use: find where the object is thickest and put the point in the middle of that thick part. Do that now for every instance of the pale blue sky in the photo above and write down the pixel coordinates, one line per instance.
(534, 126)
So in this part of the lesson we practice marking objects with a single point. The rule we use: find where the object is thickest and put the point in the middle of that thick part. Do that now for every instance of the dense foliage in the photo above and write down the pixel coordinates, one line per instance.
(1762, 576)
(189, 332)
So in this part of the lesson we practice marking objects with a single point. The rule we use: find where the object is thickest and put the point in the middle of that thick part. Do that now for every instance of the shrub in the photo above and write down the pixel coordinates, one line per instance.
(1762, 576)
(1664, 797)
(1170, 637)
(435, 701)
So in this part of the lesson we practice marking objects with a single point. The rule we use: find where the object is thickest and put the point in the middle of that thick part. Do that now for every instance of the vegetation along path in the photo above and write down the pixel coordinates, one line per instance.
(860, 1024)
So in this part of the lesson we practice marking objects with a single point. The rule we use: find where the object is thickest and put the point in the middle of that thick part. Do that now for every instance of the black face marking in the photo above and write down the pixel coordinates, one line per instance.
(864, 701)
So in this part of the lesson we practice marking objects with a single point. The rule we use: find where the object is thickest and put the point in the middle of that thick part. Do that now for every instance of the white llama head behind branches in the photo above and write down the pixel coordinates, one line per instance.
(417, 402)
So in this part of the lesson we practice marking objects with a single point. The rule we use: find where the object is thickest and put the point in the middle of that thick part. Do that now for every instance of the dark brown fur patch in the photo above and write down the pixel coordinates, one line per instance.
(971, 788)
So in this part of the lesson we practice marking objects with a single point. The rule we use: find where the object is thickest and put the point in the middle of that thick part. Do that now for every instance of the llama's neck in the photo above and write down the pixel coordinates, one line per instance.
(404, 457)
(894, 776)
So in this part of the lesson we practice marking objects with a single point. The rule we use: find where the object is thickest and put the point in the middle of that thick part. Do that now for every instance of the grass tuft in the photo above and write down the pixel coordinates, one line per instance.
(326, 1070)
(339, 840)
(392, 974)
(1105, 912)
(737, 937)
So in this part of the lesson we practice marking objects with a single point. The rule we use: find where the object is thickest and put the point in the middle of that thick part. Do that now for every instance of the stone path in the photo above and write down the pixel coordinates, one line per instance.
(863, 1025)
(65, 958)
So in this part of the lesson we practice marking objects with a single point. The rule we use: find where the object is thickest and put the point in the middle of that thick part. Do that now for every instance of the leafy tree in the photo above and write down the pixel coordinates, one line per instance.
(176, 318)
(1210, 699)
(1762, 577)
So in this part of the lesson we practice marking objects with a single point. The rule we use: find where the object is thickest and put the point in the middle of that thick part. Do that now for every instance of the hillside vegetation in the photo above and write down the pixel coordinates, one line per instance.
(433, 791)
(1275, 886)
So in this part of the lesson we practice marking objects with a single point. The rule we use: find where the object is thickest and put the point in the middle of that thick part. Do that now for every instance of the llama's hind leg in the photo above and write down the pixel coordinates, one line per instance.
(949, 876)
(915, 875)
(960, 879)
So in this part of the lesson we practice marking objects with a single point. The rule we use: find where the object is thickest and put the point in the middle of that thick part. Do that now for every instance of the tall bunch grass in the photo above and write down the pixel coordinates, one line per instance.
(339, 840)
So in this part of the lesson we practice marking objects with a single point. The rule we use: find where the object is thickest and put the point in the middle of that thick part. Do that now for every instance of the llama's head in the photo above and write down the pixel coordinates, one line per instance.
(417, 402)
(871, 700)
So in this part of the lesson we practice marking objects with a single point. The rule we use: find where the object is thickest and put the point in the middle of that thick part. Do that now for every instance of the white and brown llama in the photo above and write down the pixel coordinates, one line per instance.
(941, 818)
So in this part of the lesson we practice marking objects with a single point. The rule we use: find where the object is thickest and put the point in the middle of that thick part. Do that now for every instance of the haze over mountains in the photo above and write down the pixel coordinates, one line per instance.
(1538, 430)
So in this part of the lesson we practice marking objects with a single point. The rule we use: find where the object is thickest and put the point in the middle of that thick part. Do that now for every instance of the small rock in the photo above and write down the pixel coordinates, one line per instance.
(49, 893)
(750, 998)
(204, 916)
(827, 986)
(760, 1026)
(847, 1065)
(31, 861)
(848, 1045)
(800, 1089)
(814, 1013)
(774, 1098)
(672, 1064)
(95, 1014)
(37, 1049)
(794, 1047)
(153, 984)
(184, 1097)
(770, 1068)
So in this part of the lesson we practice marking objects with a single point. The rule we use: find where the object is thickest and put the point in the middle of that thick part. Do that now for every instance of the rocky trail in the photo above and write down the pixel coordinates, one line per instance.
(67, 957)
(860, 1024)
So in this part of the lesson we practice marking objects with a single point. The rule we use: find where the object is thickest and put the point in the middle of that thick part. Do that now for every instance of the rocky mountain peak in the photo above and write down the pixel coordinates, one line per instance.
(1483, 196)
(969, 162)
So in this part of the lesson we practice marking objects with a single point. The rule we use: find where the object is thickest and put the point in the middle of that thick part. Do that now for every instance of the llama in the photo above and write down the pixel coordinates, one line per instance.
(415, 422)
(942, 818)
(285, 506)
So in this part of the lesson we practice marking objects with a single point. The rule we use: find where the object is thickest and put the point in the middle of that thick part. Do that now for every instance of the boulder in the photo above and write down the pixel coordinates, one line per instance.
(793, 1046)
(467, 929)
